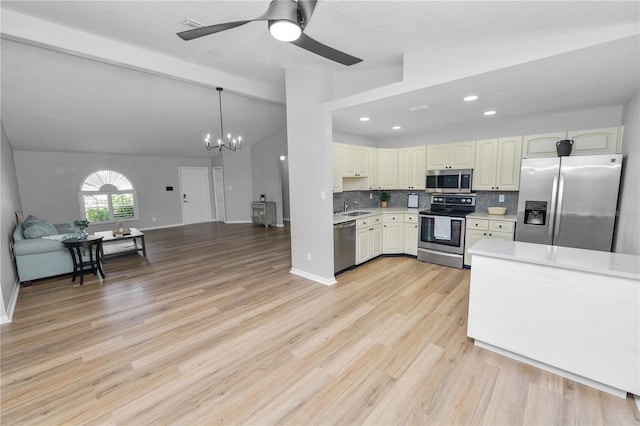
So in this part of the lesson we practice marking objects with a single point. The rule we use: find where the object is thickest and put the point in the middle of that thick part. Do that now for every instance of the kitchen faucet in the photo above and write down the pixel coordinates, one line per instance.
(345, 205)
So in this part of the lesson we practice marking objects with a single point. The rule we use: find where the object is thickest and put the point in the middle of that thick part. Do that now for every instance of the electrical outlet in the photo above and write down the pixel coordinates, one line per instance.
(370, 196)
(309, 257)
(501, 198)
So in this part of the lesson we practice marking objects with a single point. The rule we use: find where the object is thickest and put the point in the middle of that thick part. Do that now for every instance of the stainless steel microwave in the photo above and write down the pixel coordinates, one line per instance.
(453, 181)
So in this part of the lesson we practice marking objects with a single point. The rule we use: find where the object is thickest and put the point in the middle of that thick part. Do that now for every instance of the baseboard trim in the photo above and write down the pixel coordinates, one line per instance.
(161, 227)
(555, 370)
(8, 317)
(238, 221)
(313, 277)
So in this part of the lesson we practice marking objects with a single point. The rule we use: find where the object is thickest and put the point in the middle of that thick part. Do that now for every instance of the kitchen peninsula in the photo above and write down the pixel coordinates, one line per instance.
(569, 311)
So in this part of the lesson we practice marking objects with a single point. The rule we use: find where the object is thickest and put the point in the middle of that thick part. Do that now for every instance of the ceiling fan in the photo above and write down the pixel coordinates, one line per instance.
(287, 21)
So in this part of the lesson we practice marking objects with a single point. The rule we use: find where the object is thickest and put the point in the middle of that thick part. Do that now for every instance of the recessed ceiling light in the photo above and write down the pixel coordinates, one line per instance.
(364, 119)
(470, 98)
(489, 112)
(396, 128)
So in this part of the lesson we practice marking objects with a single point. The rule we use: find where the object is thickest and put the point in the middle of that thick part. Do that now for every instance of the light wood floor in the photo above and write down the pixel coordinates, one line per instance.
(211, 328)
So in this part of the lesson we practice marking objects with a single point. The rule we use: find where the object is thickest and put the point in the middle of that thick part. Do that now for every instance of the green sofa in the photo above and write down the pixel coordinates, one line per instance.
(39, 257)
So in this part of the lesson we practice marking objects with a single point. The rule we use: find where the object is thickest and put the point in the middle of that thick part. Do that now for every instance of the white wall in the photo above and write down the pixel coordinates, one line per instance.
(506, 127)
(10, 196)
(351, 81)
(238, 190)
(627, 238)
(265, 169)
(309, 138)
(49, 183)
(354, 139)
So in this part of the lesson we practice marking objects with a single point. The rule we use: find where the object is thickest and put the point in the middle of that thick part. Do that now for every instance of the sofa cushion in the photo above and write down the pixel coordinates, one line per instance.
(34, 227)
(37, 246)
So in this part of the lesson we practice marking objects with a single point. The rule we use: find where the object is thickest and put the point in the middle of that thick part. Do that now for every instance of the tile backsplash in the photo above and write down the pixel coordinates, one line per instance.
(358, 200)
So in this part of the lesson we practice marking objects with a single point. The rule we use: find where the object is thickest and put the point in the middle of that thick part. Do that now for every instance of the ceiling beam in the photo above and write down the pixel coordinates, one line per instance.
(25, 29)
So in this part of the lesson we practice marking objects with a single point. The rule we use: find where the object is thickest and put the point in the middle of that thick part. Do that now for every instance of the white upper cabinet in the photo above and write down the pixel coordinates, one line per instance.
(509, 158)
(585, 142)
(387, 168)
(373, 168)
(336, 155)
(484, 174)
(497, 166)
(412, 167)
(459, 155)
(596, 141)
(355, 161)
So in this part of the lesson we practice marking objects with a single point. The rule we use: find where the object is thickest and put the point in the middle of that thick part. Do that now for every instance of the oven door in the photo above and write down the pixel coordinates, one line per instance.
(438, 239)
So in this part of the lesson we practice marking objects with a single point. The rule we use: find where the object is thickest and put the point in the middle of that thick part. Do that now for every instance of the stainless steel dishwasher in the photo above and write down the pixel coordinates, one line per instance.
(344, 245)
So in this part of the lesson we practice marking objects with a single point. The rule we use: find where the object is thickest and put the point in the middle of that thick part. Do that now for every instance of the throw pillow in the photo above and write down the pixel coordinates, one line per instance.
(35, 227)
(31, 220)
(39, 229)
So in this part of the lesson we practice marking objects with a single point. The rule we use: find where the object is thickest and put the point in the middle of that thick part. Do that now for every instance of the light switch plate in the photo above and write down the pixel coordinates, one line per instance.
(501, 198)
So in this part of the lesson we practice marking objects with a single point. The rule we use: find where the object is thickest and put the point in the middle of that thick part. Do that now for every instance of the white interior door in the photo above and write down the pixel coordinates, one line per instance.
(194, 190)
(218, 190)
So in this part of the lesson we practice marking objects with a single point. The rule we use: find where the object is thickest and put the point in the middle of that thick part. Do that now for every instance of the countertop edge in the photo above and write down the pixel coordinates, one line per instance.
(603, 263)
(373, 211)
(508, 217)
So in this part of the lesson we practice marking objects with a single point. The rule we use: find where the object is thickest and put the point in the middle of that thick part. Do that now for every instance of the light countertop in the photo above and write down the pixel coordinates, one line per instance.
(508, 217)
(341, 217)
(592, 261)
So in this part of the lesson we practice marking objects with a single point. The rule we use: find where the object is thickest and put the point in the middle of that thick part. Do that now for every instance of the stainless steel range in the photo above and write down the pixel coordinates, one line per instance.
(442, 229)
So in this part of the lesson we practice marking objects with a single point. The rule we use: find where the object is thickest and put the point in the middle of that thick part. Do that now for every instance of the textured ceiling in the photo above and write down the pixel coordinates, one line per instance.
(377, 31)
(55, 101)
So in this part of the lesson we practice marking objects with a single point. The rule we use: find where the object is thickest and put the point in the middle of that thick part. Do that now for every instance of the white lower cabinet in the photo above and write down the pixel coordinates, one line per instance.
(386, 233)
(368, 238)
(410, 236)
(478, 229)
(392, 227)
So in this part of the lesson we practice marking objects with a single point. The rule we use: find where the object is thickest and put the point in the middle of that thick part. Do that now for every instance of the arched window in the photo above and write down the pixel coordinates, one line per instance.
(108, 196)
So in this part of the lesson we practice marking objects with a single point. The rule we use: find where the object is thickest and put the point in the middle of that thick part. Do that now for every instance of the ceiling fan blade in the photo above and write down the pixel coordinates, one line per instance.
(318, 48)
(279, 9)
(306, 8)
(211, 29)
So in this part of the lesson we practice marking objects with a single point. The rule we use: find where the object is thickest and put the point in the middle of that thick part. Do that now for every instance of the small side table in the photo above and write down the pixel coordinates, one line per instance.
(93, 244)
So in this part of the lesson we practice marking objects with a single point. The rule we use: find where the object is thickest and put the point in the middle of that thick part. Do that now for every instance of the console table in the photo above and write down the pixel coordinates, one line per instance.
(91, 244)
(263, 213)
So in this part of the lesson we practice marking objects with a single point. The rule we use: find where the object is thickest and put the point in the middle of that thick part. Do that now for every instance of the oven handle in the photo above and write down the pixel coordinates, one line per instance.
(462, 219)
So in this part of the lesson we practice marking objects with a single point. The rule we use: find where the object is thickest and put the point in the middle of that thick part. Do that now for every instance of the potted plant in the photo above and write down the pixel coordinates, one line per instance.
(384, 199)
(81, 223)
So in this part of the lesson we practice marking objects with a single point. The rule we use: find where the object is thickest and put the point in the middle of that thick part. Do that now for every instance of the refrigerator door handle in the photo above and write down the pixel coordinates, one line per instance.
(556, 232)
(552, 208)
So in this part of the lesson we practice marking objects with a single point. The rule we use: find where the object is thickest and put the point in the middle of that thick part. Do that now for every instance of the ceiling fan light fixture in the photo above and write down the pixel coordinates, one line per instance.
(285, 30)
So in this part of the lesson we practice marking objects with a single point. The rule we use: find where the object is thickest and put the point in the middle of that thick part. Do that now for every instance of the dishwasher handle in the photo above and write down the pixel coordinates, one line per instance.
(345, 224)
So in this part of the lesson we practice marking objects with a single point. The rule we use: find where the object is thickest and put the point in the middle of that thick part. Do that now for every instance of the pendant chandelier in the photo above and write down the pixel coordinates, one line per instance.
(229, 142)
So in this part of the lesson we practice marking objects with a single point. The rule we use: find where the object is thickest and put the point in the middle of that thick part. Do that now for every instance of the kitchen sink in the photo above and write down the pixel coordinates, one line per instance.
(355, 213)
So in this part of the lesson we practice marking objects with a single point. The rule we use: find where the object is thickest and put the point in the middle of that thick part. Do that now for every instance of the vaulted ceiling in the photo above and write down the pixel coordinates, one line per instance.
(54, 100)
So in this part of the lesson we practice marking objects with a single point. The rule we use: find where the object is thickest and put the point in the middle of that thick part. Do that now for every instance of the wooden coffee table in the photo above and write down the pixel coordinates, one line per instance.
(136, 237)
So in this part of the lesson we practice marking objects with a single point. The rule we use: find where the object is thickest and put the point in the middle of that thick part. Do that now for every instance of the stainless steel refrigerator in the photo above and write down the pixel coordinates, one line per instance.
(569, 201)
